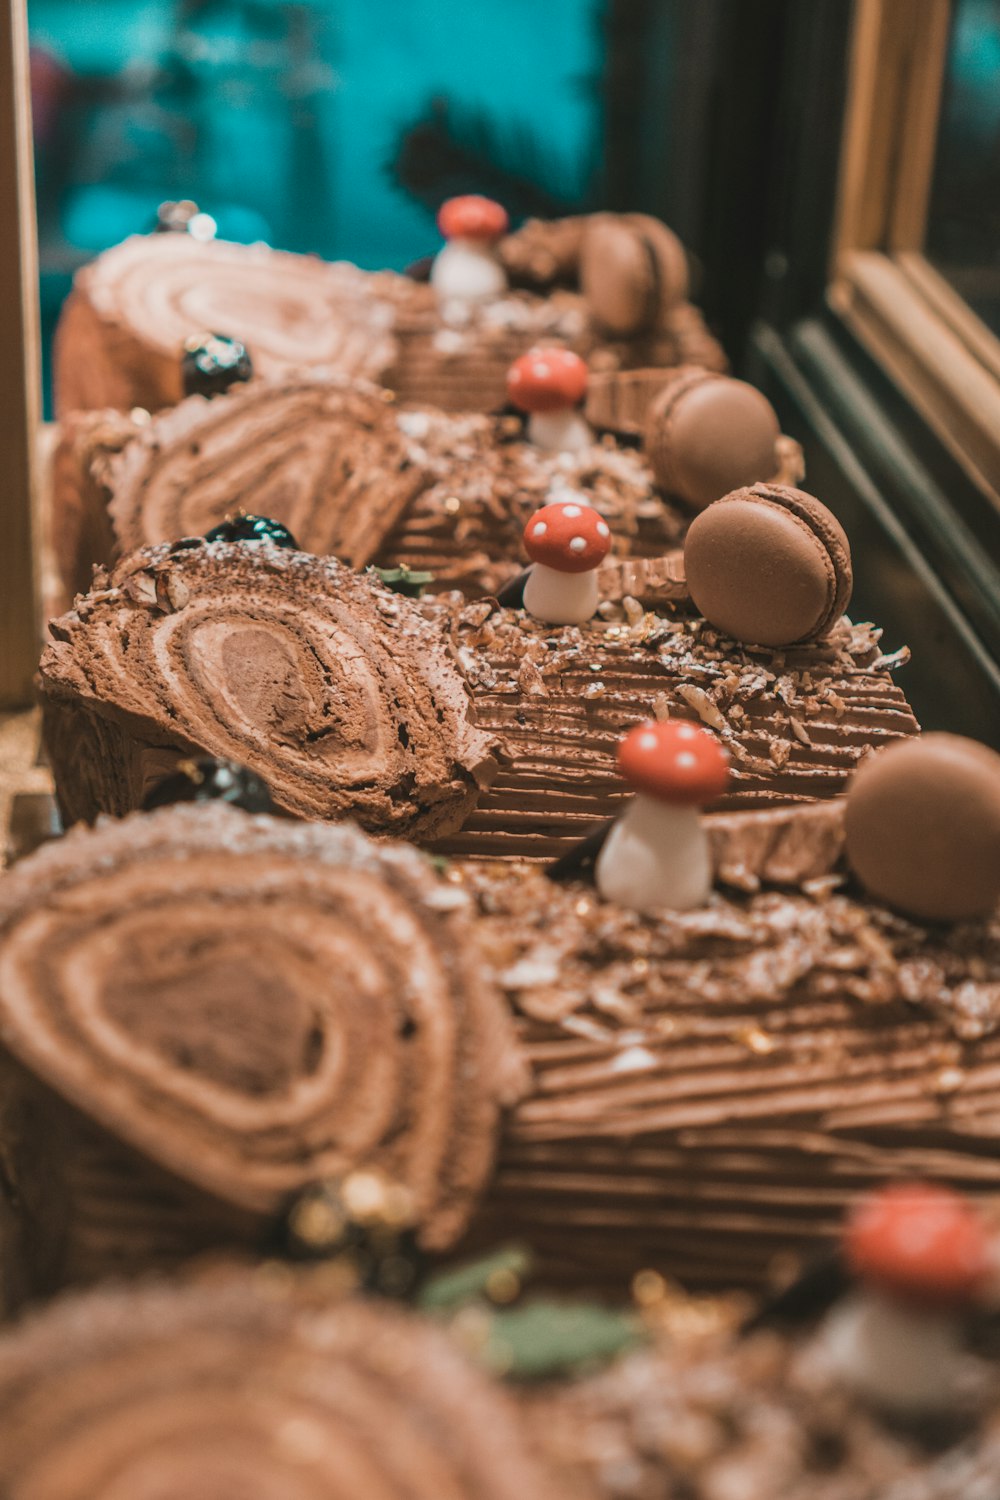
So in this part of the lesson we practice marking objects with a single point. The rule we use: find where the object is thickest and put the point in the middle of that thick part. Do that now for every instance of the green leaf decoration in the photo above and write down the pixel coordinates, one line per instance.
(404, 580)
(447, 1291)
(541, 1339)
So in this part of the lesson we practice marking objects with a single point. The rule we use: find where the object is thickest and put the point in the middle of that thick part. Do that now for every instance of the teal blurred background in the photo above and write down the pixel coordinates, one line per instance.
(334, 126)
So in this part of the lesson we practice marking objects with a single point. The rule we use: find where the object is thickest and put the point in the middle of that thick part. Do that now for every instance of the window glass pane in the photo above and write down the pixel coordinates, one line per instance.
(963, 232)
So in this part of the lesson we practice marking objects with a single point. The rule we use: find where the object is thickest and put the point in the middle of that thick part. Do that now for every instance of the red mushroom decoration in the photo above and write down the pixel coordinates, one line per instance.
(549, 384)
(567, 542)
(921, 1255)
(467, 269)
(657, 854)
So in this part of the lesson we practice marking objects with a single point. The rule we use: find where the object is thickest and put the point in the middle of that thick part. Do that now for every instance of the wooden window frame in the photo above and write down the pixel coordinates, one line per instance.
(945, 360)
(20, 369)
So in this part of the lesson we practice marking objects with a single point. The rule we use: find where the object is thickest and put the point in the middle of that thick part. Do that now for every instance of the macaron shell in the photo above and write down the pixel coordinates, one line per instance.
(669, 256)
(922, 827)
(617, 276)
(705, 437)
(766, 567)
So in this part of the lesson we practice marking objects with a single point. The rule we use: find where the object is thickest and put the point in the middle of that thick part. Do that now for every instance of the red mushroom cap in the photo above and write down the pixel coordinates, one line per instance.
(547, 380)
(472, 218)
(567, 536)
(674, 762)
(922, 1243)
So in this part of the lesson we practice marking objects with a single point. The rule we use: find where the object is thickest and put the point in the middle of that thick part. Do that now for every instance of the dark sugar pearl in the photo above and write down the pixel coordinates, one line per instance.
(213, 362)
(246, 528)
(205, 779)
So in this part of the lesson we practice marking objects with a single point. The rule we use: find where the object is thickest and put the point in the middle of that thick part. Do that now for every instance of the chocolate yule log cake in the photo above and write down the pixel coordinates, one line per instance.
(352, 475)
(206, 1013)
(230, 1390)
(483, 727)
(124, 329)
(890, 1391)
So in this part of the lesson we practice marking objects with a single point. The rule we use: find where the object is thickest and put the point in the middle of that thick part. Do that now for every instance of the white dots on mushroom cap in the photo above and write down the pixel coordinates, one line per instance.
(539, 528)
(572, 510)
(602, 528)
(578, 544)
(685, 760)
(648, 742)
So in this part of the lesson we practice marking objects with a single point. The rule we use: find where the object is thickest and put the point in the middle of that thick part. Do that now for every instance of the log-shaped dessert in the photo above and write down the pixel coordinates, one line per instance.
(347, 472)
(350, 699)
(712, 1086)
(122, 332)
(228, 1389)
(337, 691)
(205, 1013)
(323, 457)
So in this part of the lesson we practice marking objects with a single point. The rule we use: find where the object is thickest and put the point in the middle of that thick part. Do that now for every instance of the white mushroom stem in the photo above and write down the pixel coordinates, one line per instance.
(467, 270)
(561, 598)
(559, 431)
(656, 856)
(901, 1358)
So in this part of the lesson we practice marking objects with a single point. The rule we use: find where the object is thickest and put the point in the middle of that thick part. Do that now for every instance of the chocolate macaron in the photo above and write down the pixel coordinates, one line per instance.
(769, 565)
(922, 827)
(632, 269)
(706, 434)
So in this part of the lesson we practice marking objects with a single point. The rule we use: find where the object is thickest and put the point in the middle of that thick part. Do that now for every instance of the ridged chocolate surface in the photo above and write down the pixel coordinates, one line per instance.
(795, 722)
(704, 1414)
(335, 690)
(712, 1087)
(124, 325)
(323, 457)
(225, 1391)
(231, 1008)
(484, 481)
(462, 366)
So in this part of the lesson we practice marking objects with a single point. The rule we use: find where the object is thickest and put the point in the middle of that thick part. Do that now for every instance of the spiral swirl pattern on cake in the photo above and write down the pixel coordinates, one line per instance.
(256, 1005)
(323, 457)
(334, 689)
(124, 326)
(221, 1391)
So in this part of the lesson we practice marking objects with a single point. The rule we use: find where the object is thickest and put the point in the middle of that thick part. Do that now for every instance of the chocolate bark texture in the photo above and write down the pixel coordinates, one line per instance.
(796, 722)
(484, 483)
(230, 1389)
(205, 1013)
(338, 692)
(324, 457)
(471, 727)
(121, 334)
(704, 1413)
(713, 1087)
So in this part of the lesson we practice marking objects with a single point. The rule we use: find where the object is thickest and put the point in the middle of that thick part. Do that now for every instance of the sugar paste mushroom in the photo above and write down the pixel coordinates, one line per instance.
(467, 269)
(920, 1255)
(657, 854)
(549, 385)
(566, 542)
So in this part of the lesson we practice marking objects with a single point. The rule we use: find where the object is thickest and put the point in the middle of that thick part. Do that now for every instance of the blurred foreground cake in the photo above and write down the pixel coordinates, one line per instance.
(877, 1379)
(208, 1013)
(352, 475)
(474, 724)
(231, 1390)
(617, 298)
